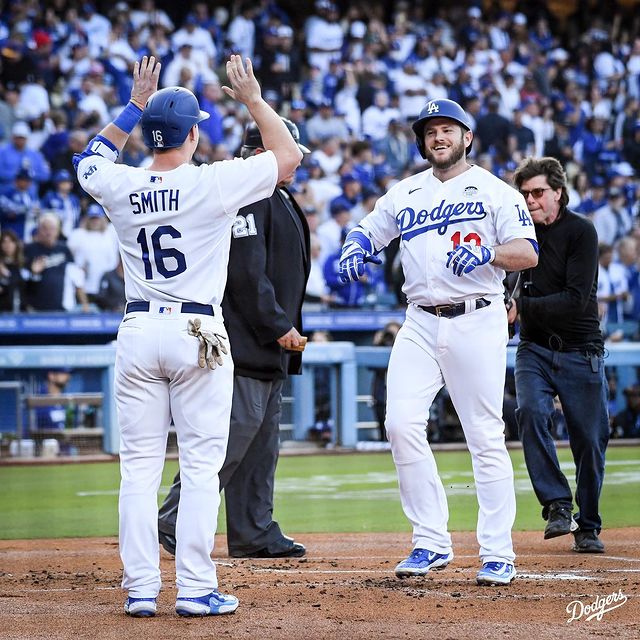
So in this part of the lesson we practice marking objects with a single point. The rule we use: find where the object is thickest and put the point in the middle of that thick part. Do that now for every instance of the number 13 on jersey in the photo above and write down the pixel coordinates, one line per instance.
(468, 239)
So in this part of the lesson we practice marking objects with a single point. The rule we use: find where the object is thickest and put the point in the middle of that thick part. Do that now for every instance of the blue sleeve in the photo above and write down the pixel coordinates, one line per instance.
(9, 163)
(41, 169)
(330, 273)
(98, 146)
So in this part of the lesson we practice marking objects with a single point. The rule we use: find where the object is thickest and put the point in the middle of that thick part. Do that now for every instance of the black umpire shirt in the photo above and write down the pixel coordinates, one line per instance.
(268, 270)
(559, 306)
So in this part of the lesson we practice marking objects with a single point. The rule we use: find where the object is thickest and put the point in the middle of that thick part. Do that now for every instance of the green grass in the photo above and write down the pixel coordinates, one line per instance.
(322, 493)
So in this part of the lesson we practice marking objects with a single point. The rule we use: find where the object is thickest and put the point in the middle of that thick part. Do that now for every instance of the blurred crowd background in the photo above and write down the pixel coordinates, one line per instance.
(559, 78)
(554, 78)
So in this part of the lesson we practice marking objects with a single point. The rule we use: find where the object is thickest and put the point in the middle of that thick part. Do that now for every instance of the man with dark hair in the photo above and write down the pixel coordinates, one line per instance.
(269, 264)
(561, 353)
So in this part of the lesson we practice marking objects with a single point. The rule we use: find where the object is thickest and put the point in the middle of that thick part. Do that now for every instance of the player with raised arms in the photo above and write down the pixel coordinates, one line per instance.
(174, 221)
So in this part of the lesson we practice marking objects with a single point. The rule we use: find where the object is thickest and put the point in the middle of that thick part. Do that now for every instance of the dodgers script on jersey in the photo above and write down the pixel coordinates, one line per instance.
(175, 226)
(433, 217)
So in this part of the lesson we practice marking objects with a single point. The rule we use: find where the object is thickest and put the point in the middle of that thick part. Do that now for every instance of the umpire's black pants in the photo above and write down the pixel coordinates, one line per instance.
(247, 475)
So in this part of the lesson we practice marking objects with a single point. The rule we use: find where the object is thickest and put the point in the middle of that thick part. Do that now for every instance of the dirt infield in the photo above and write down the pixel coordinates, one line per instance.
(343, 589)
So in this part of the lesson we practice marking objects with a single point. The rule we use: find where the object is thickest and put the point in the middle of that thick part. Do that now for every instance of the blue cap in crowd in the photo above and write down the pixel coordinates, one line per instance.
(24, 173)
(348, 177)
(62, 176)
(95, 211)
(339, 204)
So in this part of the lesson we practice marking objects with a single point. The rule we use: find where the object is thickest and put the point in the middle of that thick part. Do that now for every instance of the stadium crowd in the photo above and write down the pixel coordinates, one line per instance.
(353, 80)
(561, 79)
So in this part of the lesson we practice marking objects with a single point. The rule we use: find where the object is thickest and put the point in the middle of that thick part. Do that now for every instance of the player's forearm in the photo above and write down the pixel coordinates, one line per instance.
(115, 135)
(515, 255)
(276, 137)
(118, 131)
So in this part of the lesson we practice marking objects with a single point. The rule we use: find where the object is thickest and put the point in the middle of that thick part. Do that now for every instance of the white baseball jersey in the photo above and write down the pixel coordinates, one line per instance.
(433, 217)
(175, 226)
(174, 229)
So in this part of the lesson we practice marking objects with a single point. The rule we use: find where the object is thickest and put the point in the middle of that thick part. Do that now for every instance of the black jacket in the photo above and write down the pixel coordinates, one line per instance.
(559, 296)
(268, 271)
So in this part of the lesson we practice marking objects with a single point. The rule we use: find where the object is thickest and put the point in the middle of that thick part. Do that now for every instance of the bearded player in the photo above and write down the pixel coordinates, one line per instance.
(460, 229)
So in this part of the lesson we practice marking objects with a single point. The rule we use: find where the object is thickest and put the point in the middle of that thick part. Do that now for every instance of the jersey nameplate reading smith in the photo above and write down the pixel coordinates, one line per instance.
(155, 200)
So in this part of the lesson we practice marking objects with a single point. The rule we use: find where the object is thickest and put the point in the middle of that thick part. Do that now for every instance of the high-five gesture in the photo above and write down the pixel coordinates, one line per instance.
(145, 80)
(274, 133)
(145, 83)
(244, 86)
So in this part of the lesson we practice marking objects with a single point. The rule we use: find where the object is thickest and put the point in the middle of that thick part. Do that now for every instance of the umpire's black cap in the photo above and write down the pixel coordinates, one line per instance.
(251, 138)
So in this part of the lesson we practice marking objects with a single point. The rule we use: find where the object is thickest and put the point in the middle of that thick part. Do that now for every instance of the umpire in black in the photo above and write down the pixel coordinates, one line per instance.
(561, 353)
(269, 265)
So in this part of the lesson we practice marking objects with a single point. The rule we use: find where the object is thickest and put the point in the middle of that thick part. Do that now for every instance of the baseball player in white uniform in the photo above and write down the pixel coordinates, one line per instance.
(174, 223)
(460, 228)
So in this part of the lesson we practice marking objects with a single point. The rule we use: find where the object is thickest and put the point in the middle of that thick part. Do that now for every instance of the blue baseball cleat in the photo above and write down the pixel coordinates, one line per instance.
(421, 561)
(212, 604)
(494, 573)
(140, 607)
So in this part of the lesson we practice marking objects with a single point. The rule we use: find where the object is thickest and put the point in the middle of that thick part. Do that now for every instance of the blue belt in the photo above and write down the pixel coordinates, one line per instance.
(185, 307)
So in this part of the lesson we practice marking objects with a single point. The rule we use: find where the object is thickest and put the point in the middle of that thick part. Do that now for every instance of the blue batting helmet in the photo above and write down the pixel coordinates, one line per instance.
(168, 117)
(439, 109)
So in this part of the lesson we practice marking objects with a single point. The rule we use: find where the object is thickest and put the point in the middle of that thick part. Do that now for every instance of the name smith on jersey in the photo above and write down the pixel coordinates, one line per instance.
(155, 200)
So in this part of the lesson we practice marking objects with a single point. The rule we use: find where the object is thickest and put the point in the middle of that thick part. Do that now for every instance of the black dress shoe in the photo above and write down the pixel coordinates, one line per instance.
(560, 521)
(168, 542)
(292, 550)
(587, 542)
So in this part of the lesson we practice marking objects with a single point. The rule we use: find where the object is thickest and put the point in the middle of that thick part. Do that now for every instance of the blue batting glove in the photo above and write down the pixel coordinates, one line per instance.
(464, 259)
(352, 261)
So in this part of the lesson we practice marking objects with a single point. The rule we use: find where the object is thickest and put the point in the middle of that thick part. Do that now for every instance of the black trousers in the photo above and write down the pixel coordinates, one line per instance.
(247, 475)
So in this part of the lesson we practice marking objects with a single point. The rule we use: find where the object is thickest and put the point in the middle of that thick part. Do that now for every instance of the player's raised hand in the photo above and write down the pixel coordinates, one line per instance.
(464, 259)
(244, 86)
(145, 80)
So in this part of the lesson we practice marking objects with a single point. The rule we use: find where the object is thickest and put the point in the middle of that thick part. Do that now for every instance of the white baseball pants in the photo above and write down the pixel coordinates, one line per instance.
(157, 378)
(468, 354)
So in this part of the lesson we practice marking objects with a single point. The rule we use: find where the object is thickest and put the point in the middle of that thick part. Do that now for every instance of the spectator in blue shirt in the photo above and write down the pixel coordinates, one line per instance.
(61, 200)
(15, 155)
(18, 208)
(209, 99)
(54, 416)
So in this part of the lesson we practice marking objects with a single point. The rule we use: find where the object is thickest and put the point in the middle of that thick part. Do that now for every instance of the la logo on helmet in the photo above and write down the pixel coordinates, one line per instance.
(432, 108)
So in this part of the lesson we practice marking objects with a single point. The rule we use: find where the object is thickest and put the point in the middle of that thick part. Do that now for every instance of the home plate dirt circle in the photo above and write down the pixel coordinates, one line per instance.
(344, 589)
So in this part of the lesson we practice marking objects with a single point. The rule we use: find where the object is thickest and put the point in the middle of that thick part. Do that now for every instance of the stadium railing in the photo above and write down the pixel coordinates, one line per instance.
(344, 359)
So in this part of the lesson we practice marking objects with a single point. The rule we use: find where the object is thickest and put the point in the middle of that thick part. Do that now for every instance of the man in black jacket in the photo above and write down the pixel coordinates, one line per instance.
(561, 353)
(269, 265)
